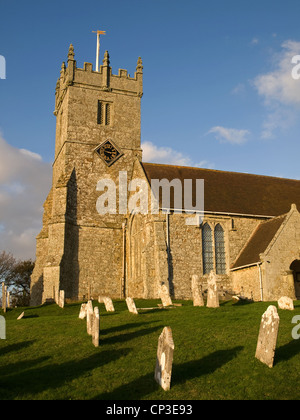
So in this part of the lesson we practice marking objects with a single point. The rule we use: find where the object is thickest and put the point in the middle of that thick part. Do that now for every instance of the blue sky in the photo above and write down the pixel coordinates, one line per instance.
(218, 90)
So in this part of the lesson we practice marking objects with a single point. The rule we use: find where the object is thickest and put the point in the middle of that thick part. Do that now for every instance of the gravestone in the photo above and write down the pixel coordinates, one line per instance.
(83, 309)
(96, 327)
(196, 291)
(164, 359)
(21, 316)
(4, 300)
(165, 295)
(267, 338)
(89, 317)
(131, 305)
(61, 299)
(109, 306)
(212, 291)
(286, 303)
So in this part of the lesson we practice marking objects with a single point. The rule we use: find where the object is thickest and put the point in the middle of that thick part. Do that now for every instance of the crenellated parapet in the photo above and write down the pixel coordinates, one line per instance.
(103, 80)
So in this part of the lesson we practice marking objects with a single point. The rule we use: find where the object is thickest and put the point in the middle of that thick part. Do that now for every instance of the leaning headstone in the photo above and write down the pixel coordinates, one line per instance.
(109, 306)
(89, 317)
(21, 316)
(267, 338)
(196, 291)
(82, 313)
(96, 327)
(8, 299)
(286, 303)
(165, 295)
(131, 305)
(212, 292)
(164, 359)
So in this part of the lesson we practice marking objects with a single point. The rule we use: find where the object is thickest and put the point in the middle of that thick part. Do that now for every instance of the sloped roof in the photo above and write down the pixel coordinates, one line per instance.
(233, 192)
(259, 242)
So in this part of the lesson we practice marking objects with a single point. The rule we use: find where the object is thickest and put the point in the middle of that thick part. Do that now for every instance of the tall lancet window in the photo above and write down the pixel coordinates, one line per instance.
(207, 249)
(220, 250)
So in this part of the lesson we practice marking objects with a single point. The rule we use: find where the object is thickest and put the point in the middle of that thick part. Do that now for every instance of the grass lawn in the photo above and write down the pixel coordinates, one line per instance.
(48, 354)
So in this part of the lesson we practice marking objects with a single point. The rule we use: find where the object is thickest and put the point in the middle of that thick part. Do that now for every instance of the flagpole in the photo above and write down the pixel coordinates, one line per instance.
(98, 47)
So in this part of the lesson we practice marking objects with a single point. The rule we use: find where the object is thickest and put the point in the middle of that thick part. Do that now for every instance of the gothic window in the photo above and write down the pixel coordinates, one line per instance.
(207, 249)
(220, 250)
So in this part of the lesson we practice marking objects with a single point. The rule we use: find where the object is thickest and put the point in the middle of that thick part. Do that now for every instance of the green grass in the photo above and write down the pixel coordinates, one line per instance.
(48, 354)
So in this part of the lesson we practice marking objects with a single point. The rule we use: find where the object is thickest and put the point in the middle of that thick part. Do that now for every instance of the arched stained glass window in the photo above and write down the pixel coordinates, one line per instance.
(207, 249)
(220, 250)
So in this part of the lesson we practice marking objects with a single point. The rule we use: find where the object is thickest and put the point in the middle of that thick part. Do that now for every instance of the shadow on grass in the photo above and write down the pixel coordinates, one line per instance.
(15, 347)
(287, 351)
(119, 328)
(181, 373)
(34, 381)
(129, 336)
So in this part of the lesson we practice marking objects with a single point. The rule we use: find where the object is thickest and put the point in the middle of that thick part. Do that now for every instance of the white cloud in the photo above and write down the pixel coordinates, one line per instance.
(281, 93)
(167, 155)
(25, 181)
(229, 135)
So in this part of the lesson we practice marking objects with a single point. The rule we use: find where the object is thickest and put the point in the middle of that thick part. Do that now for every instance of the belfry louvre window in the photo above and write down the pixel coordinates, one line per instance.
(220, 250)
(207, 249)
(104, 113)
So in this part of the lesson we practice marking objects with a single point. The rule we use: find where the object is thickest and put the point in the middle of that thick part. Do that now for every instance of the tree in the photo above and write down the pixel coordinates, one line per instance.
(20, 282)
(16, 275)
(7, 265)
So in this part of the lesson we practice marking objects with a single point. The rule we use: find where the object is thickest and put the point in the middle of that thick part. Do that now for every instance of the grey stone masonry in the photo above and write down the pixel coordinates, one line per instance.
(267, 338)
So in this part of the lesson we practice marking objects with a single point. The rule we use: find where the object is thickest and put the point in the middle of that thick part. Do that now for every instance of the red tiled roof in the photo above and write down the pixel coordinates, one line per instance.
(233, 192)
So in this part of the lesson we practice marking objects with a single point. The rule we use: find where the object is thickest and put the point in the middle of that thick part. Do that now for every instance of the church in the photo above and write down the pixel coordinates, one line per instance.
(248, 233)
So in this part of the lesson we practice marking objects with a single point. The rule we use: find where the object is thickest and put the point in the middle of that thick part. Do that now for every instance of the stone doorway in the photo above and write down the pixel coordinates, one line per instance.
(295, 267)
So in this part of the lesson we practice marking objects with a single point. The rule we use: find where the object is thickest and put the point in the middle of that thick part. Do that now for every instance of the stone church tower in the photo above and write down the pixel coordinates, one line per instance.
(98, 134)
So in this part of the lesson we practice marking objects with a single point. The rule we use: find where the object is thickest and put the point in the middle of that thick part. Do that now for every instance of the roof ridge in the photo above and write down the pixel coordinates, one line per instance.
(219, 171)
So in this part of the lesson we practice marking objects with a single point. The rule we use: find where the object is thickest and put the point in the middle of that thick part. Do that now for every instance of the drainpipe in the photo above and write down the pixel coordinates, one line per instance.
(260, 282)
(123, 286)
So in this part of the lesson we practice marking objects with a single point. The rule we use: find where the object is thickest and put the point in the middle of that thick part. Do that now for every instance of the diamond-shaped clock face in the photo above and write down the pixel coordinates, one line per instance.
(108, 152)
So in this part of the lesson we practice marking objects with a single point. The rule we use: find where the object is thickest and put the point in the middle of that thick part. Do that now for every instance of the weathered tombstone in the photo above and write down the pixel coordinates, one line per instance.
(164, 359)
(267, 338)
(196, 291)
(286, 303)
(165, 295)
(212, 292)
(21, 316)
(109, 306)
(96, 327)
(4, 300)
(8, 299)
(89, 317)
(131, 305)
(61, 299)
(82, 313)
(100, 299)
(2, 328)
